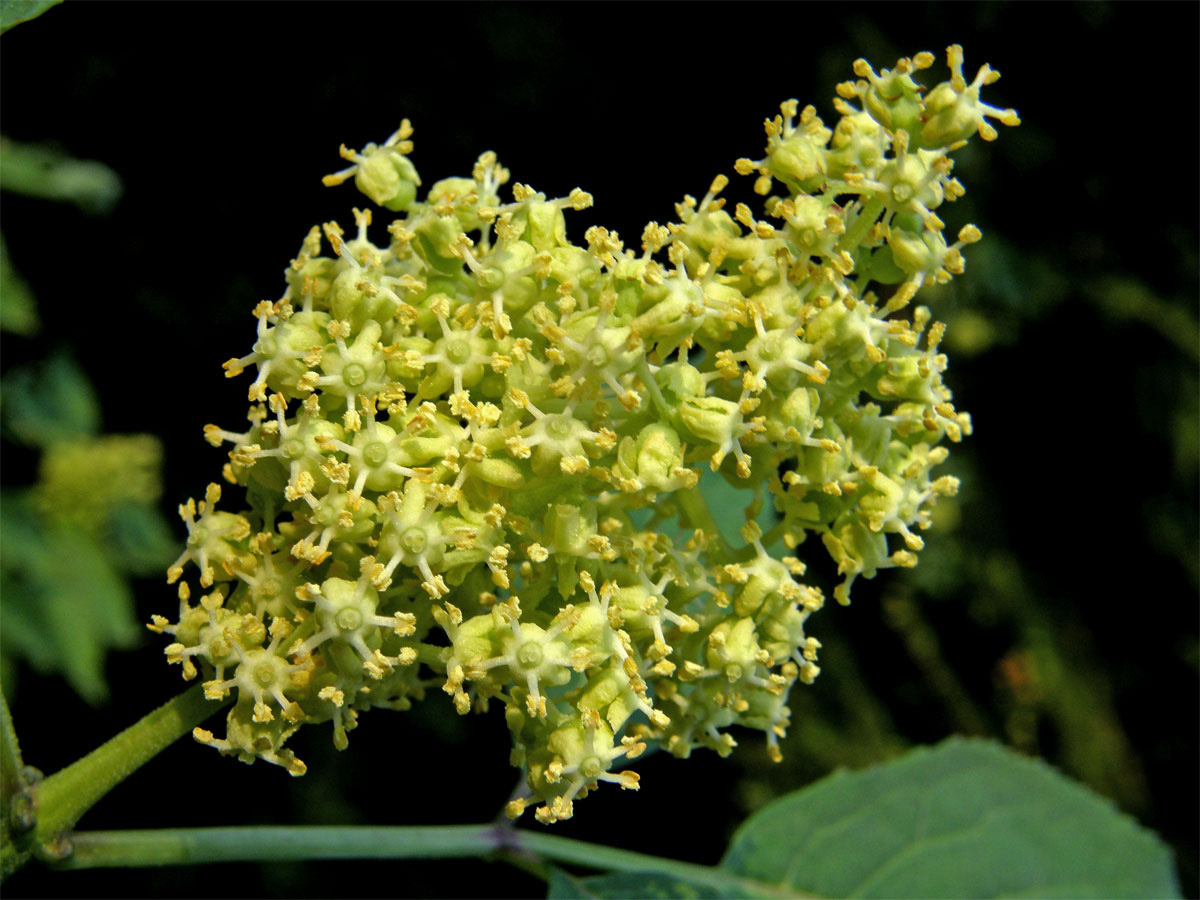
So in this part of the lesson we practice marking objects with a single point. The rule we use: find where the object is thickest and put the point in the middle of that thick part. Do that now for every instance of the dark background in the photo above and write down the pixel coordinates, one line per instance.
(1075, 549)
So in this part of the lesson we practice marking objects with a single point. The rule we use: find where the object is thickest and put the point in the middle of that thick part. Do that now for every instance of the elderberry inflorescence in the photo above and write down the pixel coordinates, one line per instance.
(466, 443)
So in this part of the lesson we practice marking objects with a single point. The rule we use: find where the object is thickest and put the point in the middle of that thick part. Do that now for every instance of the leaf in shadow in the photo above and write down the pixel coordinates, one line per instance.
(966, 818)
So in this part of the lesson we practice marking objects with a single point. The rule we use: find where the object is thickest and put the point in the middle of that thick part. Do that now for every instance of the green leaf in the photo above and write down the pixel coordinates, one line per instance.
(88, 609)
(21, 544)
(646, 885)
(141, 541)
(18, 309)
(25, 634)
(963, 819)
(14, 12)
(728, 505)
(51, 402)
(38, 170)
(65, 605)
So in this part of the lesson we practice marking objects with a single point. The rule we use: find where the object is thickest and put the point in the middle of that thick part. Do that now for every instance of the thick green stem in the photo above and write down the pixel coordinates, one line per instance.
(68, 794)
(165, 847)
(10, 751)
(191, 846)
(13, 790)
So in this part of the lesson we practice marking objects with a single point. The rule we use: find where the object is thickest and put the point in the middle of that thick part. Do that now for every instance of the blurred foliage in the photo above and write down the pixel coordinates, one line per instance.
(18, 311)
(69, 543)
(46, 172)
(66, 603)
(49, 402)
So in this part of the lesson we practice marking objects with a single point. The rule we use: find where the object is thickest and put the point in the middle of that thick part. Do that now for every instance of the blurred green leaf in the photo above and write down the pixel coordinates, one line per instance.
(141, 539)
(18, 309)
(23, 554)
(52, 401)
(42, 171)
(729, 504)
(963, 819)
(24, 636)
(65, 605)
(14, 12)
(1123, 297)
(21, 544)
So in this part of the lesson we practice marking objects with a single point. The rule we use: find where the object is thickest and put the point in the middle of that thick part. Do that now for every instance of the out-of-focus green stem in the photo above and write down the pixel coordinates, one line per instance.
(862, 224)
(656, 396)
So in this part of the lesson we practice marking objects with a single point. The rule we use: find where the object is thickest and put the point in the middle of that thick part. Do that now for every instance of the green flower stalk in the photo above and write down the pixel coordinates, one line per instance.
(467, 433)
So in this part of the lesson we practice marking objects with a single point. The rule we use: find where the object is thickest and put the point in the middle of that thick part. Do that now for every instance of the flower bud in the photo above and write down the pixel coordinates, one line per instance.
(797, 413)
(917, 253)
(954, 111)
(389, 178)
(461, 194)
(798, 161)
(733, 649)
(569, 528)
(893, 99)
(709, 418)
(763, 586)
(437, 239)
(857, 145)
(498, 471)
(544, 223)
(678, 381)
(652, 457)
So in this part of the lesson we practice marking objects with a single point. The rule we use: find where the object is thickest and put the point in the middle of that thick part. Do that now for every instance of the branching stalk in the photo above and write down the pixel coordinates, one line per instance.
(190, 846)
(69, 793)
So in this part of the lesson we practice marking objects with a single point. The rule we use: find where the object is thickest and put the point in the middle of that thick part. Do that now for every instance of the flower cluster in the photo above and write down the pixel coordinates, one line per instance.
(469, 438)
(83, 480)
